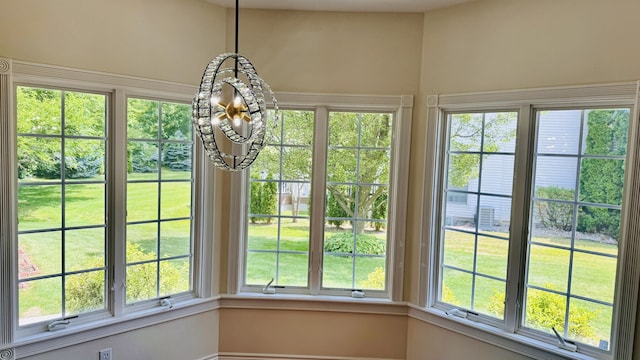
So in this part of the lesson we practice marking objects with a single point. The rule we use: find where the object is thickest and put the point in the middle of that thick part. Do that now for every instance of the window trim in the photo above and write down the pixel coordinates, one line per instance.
(322, 104)
(526, 100)
(118, 318)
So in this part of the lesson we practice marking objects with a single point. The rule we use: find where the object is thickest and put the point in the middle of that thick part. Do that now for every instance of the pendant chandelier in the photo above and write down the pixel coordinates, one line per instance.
(230, 111)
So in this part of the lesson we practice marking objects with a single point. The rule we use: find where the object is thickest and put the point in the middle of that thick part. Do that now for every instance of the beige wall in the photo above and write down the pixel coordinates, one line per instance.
(192, 337)
(480, 46)
(158, 39)
(329, 52)
(313, 333)
(425, 342)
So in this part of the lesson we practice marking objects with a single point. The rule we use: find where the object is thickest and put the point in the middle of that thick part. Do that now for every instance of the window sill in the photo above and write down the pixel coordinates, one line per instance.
(83, 332)
(313, 303)
(513, 342)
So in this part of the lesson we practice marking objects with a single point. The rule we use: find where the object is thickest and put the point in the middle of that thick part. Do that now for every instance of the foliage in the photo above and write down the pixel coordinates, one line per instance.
(40, 113)
(334, 210)
(347, 132)
(177, 156)
(601, 180)
(263, 200)
(466, 134)
(366, 244)
(375, 279)
(288, 153)
(379, 211)
(555, 215)
(85, 291)
(546, 310)
(448, 296)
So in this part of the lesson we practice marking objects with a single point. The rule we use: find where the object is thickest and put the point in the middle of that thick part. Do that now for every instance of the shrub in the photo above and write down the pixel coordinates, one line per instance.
(546, 310)
(375, 279)
(367, 244)
(334, 210)
(85, 291)
(379, 211)
(551, 214)
(448, 296)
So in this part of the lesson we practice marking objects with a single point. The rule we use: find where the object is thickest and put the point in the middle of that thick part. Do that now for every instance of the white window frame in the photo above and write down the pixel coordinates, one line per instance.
(119, 317)
(508, 334)
(402, 108)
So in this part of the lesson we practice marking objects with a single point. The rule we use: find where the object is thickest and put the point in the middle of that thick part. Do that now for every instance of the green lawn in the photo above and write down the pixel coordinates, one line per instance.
(592, 275)
(40, 207)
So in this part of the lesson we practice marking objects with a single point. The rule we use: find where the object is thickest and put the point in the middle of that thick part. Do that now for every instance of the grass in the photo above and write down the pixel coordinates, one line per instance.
(593, 276)
(39, 207)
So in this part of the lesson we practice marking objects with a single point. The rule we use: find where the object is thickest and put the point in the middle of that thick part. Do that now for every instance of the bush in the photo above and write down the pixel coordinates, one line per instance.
(546, 310)
(263, 200)
(334, 210)
(551, 214)
(342, 243)
(85, 291)
(448, 296)
(375, 280)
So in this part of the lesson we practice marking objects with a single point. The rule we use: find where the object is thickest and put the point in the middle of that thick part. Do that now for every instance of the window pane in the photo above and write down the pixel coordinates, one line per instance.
(85, 114)
(572, 253)
(84, 205)
(142, 201)
(357, 194)
(61, 195)
(176, 161)
(39, 111)
(85, 292)
(279, 192)
(175, 200)
(477, 206)
(175, 238)
(84, 249)
(159, 199)
(39, 207)
(141, 282)
(39, 300)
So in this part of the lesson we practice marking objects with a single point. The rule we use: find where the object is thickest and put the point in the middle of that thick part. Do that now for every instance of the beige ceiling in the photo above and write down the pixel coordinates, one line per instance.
(343, 5)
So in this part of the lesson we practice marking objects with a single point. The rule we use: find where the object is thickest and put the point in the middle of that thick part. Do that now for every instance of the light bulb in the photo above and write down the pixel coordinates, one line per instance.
(215, 121)
(215, 101)
(236, 120)
(237, 101)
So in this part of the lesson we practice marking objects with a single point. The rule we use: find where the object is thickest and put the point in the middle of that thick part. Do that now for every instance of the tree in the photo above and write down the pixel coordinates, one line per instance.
(467, 133)
(40, 112)
(601, 180)
(334, 210)
(291, 140)
(263, 199)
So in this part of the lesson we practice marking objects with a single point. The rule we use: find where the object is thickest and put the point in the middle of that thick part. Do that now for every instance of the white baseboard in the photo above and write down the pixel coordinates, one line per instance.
(253, 356)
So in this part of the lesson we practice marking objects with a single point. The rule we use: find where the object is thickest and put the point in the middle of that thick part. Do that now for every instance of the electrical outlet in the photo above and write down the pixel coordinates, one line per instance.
(104, 354)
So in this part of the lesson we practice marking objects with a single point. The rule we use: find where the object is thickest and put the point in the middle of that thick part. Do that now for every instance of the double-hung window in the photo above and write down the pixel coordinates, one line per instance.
(536, 249)
(105, 186)
(321, 199)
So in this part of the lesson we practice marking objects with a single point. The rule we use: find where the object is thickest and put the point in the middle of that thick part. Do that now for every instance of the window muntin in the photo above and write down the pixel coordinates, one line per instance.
(575, 223)
(62, 168)
(279, 199)
(475, 235)
(576, 292)
(159, 199)
(361, 136)
(358, 165)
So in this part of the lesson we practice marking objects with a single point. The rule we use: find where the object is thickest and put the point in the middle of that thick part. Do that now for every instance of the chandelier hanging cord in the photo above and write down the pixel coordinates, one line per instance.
(212, 117)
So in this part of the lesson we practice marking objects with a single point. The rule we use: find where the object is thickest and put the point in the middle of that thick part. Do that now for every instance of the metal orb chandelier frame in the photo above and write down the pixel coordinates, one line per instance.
(241, 122)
